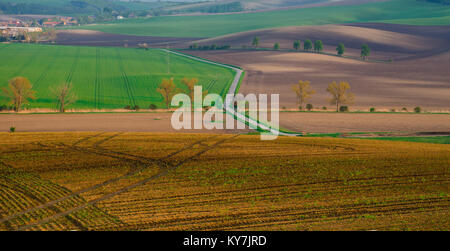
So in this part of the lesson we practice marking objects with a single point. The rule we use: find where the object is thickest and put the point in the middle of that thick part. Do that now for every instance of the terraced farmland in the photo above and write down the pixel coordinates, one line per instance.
(104, 78)
(139, 181)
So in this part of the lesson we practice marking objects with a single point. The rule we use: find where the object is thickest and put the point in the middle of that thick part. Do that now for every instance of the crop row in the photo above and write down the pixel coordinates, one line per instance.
(103, 77)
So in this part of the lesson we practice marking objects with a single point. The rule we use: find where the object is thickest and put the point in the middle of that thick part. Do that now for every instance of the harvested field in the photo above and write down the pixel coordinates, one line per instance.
(409, 83)
(131, 181)
(294, 121)
(364, 122)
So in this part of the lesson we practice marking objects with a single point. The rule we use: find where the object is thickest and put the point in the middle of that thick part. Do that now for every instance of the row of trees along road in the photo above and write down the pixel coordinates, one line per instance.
(317, 46)
(340, 93)
(20, 91)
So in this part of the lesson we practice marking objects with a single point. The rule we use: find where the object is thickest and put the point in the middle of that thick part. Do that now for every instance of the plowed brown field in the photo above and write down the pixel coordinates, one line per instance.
(139, 181)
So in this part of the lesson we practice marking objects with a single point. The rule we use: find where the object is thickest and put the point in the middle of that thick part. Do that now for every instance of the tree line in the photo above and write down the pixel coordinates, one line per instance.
(308, 46)
(20, 92)
(209, 47)
(316, 46)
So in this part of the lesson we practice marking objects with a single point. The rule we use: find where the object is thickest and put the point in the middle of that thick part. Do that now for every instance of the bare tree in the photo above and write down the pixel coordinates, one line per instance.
(340, 94)
(19, 92)
(303, 91)
(168, 89)
(190, 84)
(64, 96)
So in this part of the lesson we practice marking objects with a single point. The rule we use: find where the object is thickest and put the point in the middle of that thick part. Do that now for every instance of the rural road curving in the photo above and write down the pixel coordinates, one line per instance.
(253, 124)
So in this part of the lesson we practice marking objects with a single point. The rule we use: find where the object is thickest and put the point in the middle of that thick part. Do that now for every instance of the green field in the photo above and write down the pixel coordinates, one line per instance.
(103, 78)
(395, 11)
(80, 7)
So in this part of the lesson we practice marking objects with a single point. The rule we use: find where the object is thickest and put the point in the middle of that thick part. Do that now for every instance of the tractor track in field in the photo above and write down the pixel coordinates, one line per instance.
(99, 142)
(22, 190)
(261, 221)
(45, 71)
(100, 151)
(241, 196)
(74, 66)
(18, 187)
(211, 84)
(27, 63)
(128, 88)
(305, 215)
(87, 138)
(162, 173)
(97, 93)
(168, 204)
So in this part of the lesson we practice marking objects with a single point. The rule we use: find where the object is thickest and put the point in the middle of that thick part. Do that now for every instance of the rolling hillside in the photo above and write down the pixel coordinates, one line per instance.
(394, 11)
(73, 7)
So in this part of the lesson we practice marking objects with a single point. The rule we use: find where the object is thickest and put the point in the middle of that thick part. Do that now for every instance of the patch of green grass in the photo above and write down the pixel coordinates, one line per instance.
(104, 78)
(411, 12)
(434, 139)
(419, 139)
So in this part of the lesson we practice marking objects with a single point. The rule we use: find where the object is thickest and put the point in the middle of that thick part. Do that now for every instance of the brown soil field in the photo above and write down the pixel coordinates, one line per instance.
(142, 181)
(97, 38)
(161, 122)
(418, 75)
(420, 82)
(365, 122)
(386, 40)
(93, 122)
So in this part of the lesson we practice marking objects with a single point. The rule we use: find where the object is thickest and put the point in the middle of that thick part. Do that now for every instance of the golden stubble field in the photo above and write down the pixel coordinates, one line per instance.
(158, 181)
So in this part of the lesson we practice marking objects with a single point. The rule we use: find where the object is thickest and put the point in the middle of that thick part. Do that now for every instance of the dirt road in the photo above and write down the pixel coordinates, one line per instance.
(160, 122)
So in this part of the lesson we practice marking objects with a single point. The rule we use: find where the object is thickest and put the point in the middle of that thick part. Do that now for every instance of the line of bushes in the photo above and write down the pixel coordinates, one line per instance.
(209, 47)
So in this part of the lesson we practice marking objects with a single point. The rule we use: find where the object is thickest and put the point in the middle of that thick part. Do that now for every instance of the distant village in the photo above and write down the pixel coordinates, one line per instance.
(14, 29)
(46, 22)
